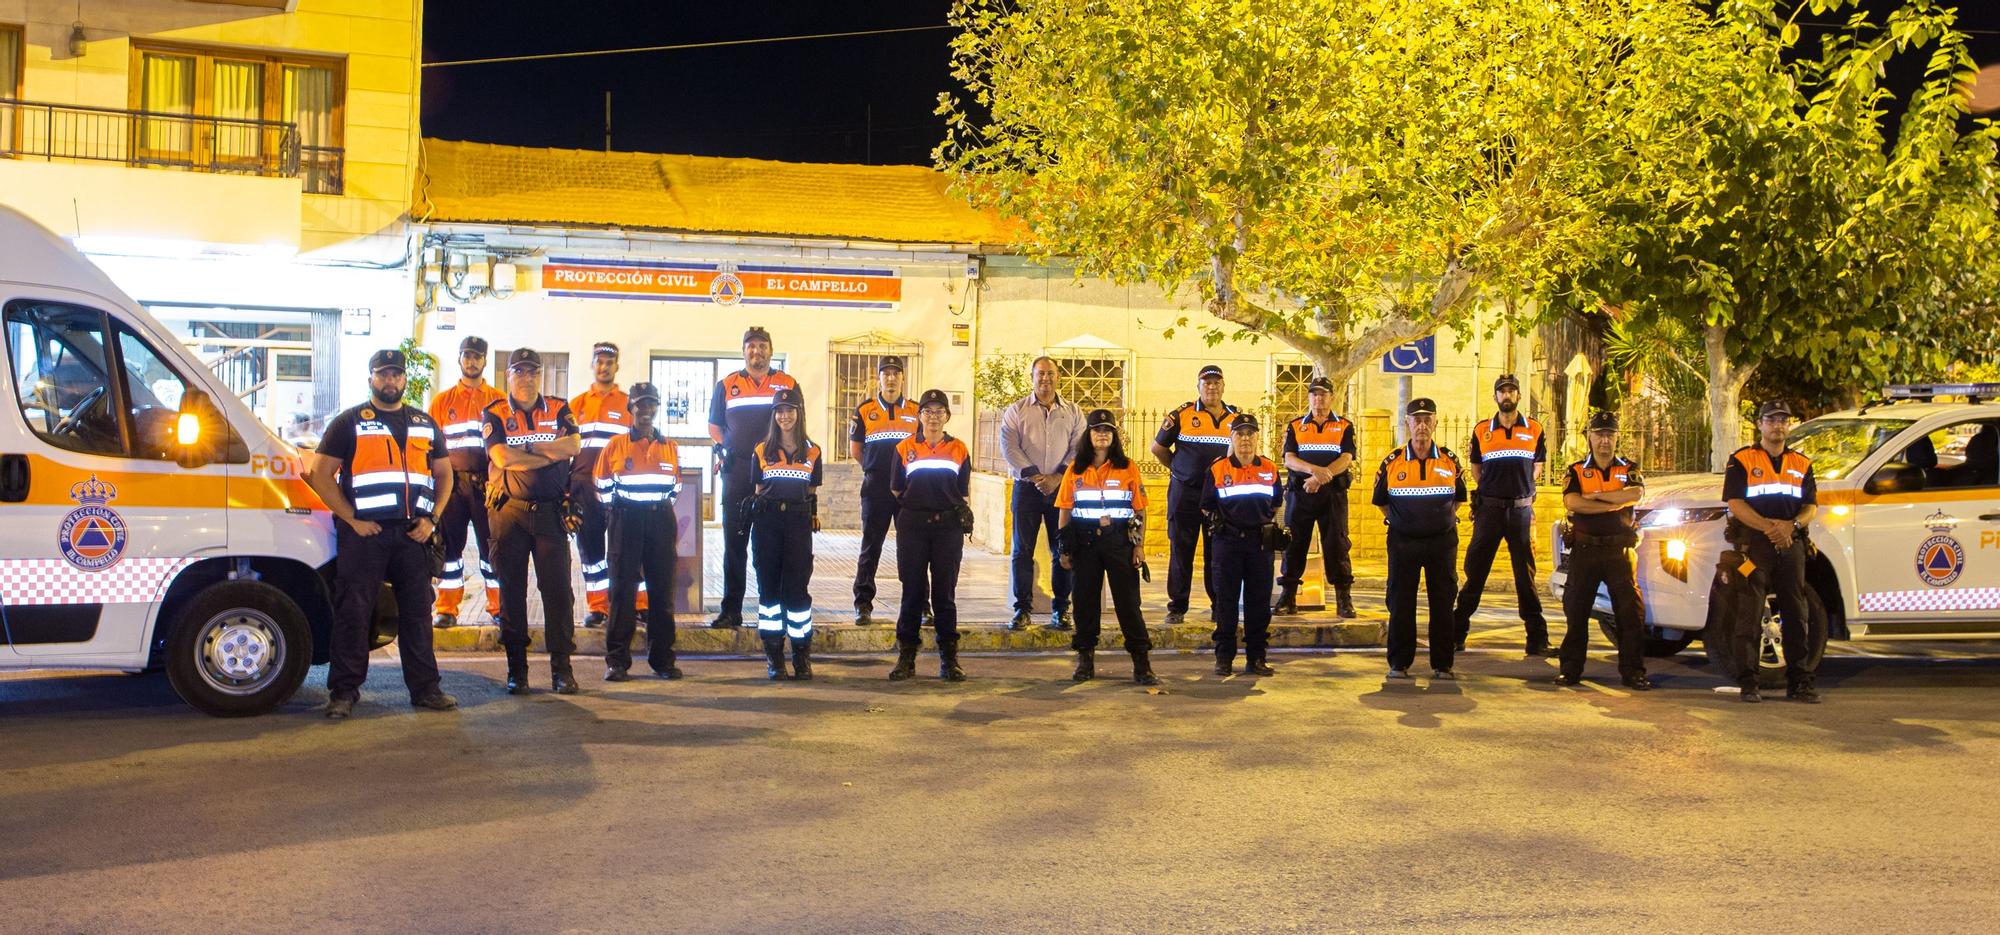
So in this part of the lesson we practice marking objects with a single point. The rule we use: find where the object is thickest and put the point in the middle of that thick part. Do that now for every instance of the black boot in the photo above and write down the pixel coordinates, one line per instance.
(1225, 660)
(948, 663)
(669, 670)
(560, 677)
(1343, 596)
(802, 659)
(1086, 665)
(774, 657)
(1288, 602)
(517, 670)
(906, 663)
(1142, 668)
(1253, 664)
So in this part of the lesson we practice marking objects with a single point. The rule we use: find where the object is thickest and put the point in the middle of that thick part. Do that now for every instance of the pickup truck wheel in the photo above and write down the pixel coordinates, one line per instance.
(1657, 646)
(1661, 647)
(1770, 650)
(240, 648)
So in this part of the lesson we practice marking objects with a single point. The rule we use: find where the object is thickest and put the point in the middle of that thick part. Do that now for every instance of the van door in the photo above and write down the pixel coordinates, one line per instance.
(109, 518)
(1929, 559)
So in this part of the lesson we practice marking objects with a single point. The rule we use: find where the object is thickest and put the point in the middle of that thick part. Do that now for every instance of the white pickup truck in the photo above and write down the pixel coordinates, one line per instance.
(1908, 527)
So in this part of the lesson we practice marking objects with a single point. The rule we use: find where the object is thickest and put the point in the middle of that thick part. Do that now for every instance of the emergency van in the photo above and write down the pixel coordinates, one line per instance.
(1907, 532)
(147, 519)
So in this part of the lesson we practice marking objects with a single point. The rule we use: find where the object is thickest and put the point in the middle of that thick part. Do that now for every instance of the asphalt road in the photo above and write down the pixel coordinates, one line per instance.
(1317, 800)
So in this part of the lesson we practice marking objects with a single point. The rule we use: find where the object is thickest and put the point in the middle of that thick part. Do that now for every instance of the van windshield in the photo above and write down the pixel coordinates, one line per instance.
(1837, 446)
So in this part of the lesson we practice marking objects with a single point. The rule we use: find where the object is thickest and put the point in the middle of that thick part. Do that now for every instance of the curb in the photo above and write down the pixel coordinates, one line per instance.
(973, 638)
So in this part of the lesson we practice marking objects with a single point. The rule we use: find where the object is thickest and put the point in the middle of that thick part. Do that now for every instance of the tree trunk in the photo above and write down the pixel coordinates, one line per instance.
(1725, 397)
(1339, 356)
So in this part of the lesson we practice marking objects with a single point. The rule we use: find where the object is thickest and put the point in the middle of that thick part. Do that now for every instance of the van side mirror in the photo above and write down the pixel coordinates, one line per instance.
(197, 429)
(1895, 478)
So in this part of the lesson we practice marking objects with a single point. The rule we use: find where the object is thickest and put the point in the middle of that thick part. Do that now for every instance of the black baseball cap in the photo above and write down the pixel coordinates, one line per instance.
(385, 359)
(934, 398)
(524, 358)
(1209, 371)
(1421, 406)
(1506, 380)
(788, 396)
(1603, 421)
(472, 343)
(642, 392)
(890, 363)
(1319, 383)
(757, 333)
(1102, 418)
(1774, 407)
(1244, 422)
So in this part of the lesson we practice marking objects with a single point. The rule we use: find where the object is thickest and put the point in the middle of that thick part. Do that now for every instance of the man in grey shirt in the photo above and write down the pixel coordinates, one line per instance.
(1038, 437)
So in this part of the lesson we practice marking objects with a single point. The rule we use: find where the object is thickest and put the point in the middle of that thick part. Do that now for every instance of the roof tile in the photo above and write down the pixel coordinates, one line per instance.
(485, 183)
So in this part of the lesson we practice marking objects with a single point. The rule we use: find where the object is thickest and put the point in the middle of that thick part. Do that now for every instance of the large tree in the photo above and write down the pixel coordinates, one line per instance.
(1341, 175)
(1794, 233)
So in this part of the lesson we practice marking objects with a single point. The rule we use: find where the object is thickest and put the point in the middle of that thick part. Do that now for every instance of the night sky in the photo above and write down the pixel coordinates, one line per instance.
(804, 101)
(800, 101)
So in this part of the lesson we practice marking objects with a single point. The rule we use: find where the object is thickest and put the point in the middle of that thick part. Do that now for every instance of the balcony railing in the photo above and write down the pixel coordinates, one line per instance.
(30, 129)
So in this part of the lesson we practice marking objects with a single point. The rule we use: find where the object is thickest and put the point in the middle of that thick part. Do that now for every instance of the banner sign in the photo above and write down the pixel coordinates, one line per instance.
(721, 283)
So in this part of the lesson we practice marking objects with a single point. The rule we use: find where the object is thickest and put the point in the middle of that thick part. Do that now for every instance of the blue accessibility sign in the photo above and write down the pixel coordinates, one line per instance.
(1419, 356)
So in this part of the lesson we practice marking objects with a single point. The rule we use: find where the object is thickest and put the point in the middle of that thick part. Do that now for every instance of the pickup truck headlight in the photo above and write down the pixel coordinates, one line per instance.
(1674, 557)
(1676, 516)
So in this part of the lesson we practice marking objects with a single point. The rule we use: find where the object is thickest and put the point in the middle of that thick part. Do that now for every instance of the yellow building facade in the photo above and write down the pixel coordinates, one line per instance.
(241, 167)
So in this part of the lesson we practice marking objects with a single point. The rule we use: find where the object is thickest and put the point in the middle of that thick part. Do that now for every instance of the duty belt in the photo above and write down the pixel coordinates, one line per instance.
(1622, 540)
(785, 506)
(536, 506)
(1232, 531)
(643, 507)
(1516, 502)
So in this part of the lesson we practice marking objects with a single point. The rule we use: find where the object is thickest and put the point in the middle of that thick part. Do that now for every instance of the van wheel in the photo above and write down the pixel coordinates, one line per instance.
(239, 648)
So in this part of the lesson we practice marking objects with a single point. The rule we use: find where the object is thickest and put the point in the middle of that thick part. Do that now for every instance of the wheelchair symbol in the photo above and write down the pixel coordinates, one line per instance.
(1419, 356)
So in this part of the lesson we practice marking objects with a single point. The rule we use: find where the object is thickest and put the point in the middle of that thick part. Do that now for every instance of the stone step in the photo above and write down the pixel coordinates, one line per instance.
(844, 638)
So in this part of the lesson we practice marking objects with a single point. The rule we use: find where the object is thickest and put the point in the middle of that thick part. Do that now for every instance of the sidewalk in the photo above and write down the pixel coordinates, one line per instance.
(985, 605)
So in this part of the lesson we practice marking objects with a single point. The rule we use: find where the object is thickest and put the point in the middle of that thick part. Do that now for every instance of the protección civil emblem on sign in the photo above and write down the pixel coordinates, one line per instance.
(1940, 559)
(726, 288)
(92, 536)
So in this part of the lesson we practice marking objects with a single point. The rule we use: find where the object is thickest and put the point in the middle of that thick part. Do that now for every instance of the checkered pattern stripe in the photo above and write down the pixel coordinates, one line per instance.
(1876, 602)
(55, 581)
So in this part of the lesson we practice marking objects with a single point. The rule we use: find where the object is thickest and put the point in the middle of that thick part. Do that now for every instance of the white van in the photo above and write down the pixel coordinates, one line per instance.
(1908, 526)
(147, 520)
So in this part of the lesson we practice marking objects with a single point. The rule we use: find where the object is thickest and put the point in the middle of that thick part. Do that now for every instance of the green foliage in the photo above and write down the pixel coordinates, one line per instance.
(1342, 175)
(421, 367)
(1665, 357)
(1000, 379)
(1794, 228)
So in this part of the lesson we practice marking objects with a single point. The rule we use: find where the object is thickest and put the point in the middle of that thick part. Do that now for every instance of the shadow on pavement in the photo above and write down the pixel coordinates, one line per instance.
(143, 786)
(1420, 702)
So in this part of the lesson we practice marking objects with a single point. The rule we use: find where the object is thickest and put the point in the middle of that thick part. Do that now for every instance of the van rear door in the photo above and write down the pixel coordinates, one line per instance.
(109, 517)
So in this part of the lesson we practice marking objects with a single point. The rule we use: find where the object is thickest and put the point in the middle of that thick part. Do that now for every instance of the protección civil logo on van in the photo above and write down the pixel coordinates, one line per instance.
(92, 536)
